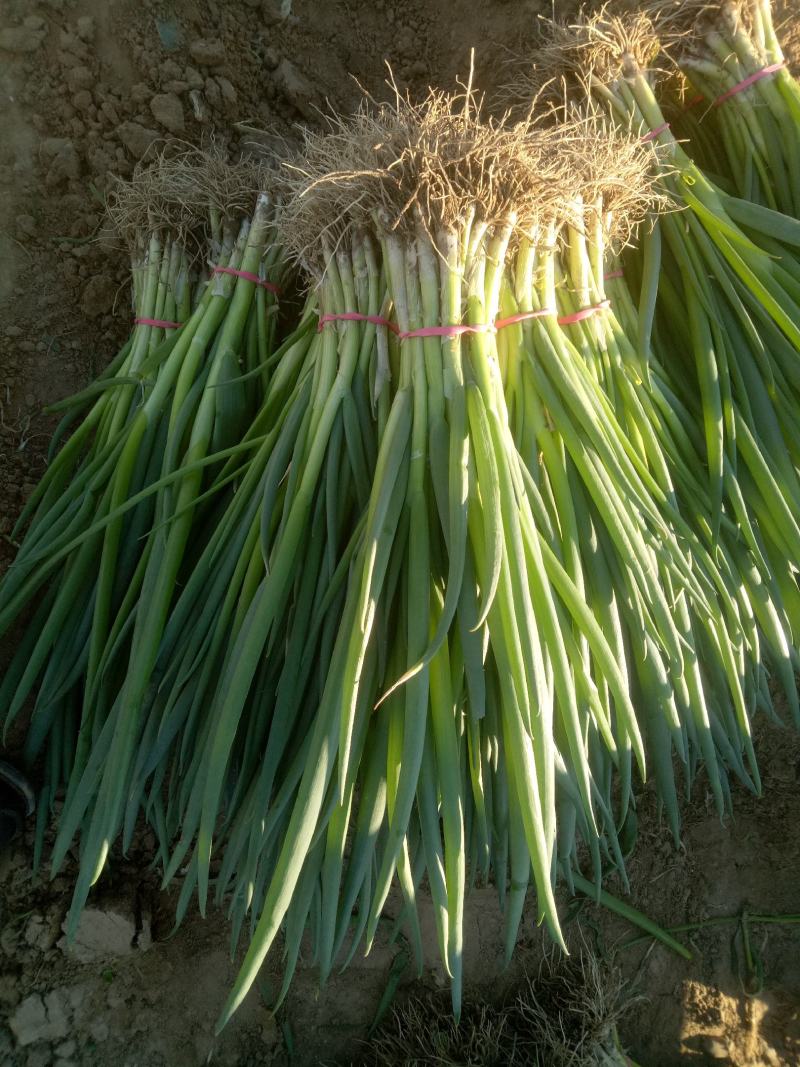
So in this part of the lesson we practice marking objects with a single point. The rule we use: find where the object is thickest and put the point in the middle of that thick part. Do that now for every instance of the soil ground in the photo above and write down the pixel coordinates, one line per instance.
(88, 87)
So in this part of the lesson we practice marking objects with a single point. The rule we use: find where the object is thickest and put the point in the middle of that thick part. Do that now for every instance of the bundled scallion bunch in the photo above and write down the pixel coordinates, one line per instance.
(720, 289)
(107, 531)
(742, 105)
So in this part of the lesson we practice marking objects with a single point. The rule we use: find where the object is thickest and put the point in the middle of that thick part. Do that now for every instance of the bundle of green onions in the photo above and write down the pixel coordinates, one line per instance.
(723, 290)
(106, 533)
(742, 107)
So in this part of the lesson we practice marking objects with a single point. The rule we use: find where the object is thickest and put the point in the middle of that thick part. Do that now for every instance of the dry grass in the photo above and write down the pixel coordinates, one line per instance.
(565, 1017)
(180, 191)
(403, 166)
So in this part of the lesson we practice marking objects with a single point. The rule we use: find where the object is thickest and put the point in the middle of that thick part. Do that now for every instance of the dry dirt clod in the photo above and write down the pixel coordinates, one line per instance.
(98, 296)
(20, 40)
(168, 112)
(715, 1049)
(86, 27)
(65, 162)
(208, 52)
(41, 931)
(296, 88)
(212, 93)
(82, 100)
(136, 138)
(101, 935)
(40, 1020)
(229, 94)
(193, 78)
(79, 78)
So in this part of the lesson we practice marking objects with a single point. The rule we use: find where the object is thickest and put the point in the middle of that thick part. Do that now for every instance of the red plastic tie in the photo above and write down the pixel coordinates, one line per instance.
(461, 328)
(584, 313)
(693, 102)
(354, 316)
(614, 274)
(773, 68)
(447, 331)
(160, 323)
(425, 331)
(654, 133)
(246, 274)
(522, 316)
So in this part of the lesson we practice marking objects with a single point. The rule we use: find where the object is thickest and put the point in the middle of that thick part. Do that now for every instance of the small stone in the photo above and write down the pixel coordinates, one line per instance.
(20, 40)
(66, 1049)
(177, 86)
(199, 106)
(34, 22)
(208, 52)
(86, 27)
(13, 331)
(168, 112)
(101, 934)
(271, 58)
(136, 138)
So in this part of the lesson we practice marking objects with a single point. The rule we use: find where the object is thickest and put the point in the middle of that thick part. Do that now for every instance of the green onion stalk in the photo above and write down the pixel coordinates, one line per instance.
(742, 111)
(108, 530)
(720, 280)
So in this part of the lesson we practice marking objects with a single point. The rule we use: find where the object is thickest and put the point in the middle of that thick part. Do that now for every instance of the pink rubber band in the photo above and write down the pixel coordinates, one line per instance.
(270, 286)
(773, 68)
(693, 102)
(160, 323)
(614, 274)
(523, 316)
(654, 133)
(462, 328)
(584, 313)
(354, 316)
(447, 331)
